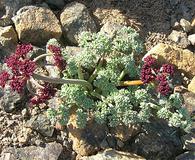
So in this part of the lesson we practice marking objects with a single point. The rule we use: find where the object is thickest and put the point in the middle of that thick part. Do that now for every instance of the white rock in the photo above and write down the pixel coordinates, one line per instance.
(191, 38)
(186, 25)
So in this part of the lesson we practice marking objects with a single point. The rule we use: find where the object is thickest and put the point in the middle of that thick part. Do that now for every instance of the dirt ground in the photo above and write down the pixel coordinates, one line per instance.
(155, 18)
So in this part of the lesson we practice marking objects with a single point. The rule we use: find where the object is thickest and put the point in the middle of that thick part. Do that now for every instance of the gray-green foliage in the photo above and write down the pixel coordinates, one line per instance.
(104, 62)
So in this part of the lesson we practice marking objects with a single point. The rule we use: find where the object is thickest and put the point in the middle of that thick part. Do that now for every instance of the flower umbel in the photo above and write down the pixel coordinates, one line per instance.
(59, 61)
(4, 77)
(150, 72)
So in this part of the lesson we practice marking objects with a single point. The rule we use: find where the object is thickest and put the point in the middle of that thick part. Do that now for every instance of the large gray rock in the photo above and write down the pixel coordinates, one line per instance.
(157, 141)
(10, 101)
(51, 152)
(41, 124)
(36, 25)
(186, 156)
(189, 141)
(75, 19)
(111, 154)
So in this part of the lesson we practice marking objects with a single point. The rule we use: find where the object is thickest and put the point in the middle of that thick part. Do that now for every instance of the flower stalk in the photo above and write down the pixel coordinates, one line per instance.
(63, 81)
(131, 83)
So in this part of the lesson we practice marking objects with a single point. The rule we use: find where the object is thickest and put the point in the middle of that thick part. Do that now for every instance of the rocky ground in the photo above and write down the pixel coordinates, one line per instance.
(168, 30)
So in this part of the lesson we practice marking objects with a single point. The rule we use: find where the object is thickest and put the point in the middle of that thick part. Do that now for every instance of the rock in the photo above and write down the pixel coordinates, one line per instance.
(186, 156)
(185, 25)
(180, 38)
(111, 154)
(36, 25)
(182, 59)
(191, 38)
(24, 135)
(11, 101)
(189, 101)
(74, 23)
(12, 6)
(191, 86)
(41, 124)
(110, 29)
(105, 15)
(51, 152)
(8, 38)
(5, 21)
(125, 133)
(70, 50)
(86, 141)
(56, 4)
(189, 141)
(157, 141)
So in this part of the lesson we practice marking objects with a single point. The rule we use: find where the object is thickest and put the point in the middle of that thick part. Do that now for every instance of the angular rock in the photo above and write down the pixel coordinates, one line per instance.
(191, 86)
(191, 38)
(189, 141)
(186, 25)
(36, 25)
(157, 141)
(189, 101)
(74, 23)
(182, 59)
(8, 38)
(180, 38)
(124, 133)
(41, 124)
(10, 100)
(110, 29)
(186, 156)
(5, 21)
(51, 152)
(86, 141)
(111, 154)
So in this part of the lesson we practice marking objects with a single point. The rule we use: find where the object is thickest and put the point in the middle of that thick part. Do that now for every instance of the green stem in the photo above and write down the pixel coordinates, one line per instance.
(41, 56)
(97, 95)
(80, 73)
(123, 73)
(63, 81)
(94, 74)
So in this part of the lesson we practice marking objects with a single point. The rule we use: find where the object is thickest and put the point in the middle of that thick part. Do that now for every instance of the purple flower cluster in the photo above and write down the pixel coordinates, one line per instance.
(17, 84)
(147, 74)
(150, 72)
(23, 49)
(167, 68)
(59, 61)
(163, 85)
(45, 94)
(4, 77)
(21, 68)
